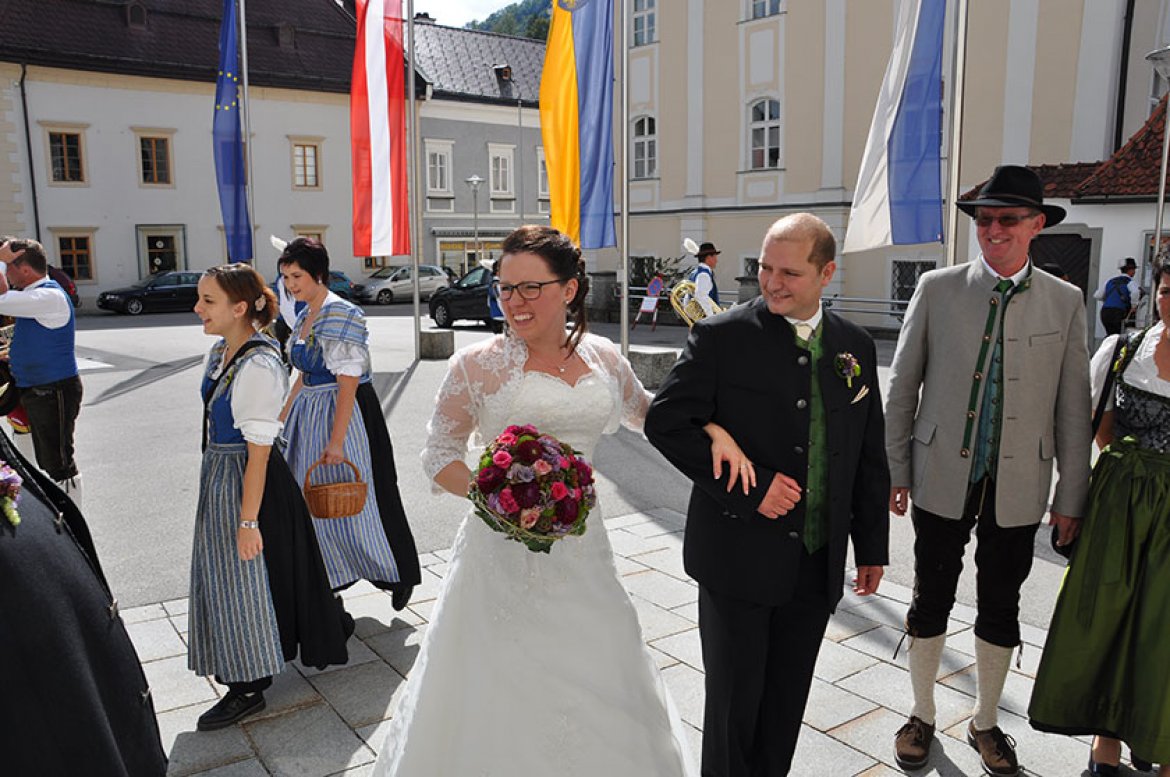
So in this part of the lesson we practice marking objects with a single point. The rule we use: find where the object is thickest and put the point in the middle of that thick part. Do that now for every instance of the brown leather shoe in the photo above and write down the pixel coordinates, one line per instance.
(912, 743)
(996, 749)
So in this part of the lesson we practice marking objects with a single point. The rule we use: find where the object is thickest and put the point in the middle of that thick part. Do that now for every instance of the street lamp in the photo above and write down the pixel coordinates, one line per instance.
(474, 181)
(1160, 60)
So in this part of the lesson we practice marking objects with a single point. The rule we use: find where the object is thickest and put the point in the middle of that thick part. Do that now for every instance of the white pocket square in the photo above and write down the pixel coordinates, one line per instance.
(860, 395)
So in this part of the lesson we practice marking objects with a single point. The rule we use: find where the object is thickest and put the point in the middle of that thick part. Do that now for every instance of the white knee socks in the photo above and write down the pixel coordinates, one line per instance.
(992, 663)
(925, 654)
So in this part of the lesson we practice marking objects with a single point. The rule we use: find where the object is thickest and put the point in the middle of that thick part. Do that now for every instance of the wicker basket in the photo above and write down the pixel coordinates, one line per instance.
(336, 500)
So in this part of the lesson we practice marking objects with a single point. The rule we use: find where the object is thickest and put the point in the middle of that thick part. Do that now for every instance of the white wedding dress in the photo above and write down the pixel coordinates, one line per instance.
(533, 664)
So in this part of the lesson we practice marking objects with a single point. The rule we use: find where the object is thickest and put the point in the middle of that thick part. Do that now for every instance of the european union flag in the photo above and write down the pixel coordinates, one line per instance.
(228, 142)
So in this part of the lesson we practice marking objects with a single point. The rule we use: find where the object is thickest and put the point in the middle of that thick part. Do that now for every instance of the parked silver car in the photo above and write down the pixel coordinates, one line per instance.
(394, 283)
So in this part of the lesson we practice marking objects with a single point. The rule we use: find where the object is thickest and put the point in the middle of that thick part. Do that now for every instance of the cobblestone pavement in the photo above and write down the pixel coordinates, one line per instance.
(334, 722)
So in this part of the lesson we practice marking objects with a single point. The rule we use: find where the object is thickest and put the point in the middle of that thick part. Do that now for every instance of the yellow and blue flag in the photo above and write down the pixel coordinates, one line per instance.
(228, 142)
(576, 118)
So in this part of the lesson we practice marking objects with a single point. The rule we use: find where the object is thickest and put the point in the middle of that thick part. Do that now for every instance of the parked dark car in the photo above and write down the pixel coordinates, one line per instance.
(65, 282)
(161, 291)
(467, 298)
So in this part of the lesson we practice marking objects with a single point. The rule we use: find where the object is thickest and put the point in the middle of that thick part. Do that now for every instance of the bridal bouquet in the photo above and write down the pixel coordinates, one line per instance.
(533, 488)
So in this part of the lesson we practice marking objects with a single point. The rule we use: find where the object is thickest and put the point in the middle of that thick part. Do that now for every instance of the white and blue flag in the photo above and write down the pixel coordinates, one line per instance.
(898, 199)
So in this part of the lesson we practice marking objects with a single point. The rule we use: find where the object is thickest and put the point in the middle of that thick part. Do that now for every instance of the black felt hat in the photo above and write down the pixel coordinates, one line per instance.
(1012, 186)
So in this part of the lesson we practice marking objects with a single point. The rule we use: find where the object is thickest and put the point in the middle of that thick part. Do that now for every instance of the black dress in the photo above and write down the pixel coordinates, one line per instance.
(74, 699)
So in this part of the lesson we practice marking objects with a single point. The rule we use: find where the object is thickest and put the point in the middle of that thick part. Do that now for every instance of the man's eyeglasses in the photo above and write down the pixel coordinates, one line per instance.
(1006, 220)
(529, 290)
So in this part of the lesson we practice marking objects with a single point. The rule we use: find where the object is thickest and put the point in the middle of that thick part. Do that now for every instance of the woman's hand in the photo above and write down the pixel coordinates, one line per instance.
(249, 543)
(334, 453)
(725, 449)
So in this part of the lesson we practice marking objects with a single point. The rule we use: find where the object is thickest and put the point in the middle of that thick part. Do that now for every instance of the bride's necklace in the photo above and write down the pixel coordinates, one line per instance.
(541, 361)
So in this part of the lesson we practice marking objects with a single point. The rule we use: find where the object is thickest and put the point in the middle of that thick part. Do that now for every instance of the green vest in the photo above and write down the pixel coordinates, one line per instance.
(816, 519)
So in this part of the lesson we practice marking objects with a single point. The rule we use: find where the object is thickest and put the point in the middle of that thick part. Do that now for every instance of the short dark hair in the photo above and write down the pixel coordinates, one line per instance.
(564, 260)
(310, 255)
(241, 283)
(34, 253)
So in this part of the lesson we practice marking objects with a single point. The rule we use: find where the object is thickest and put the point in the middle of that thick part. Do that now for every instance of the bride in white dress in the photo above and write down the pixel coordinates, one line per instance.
(534, 663)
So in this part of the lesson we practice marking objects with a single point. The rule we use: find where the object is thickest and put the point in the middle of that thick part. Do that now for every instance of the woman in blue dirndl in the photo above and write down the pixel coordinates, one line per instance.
(333, 415)
(259, 592)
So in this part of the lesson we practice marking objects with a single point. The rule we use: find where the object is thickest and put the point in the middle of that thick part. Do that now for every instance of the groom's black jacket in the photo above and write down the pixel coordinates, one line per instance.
(743, 370)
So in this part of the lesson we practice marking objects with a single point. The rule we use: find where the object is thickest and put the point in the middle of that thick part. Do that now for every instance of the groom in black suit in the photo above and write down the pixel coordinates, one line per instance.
(797, 388)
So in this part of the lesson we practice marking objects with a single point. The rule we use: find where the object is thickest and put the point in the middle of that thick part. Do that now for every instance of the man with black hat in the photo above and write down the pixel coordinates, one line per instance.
(703, 276)
(1118, 296)
(989, 385)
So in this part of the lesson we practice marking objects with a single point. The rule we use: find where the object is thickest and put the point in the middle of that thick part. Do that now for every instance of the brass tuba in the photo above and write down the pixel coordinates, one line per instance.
(682, 296)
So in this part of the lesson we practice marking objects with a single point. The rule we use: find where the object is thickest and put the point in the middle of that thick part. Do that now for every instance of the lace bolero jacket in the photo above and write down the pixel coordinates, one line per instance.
(483, 381)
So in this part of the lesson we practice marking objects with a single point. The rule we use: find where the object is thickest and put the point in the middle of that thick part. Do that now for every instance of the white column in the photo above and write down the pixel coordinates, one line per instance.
(1098, 61)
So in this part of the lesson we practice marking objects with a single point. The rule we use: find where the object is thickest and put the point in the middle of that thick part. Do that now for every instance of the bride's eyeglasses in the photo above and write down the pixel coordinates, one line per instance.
(528, 290)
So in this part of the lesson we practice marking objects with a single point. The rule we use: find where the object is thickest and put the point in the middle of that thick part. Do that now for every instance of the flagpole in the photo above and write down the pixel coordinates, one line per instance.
(624, 255)
(247, 129)
(958, 79)
(412, 173)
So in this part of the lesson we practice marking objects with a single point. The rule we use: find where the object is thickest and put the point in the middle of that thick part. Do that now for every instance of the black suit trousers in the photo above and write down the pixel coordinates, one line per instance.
(759, 663)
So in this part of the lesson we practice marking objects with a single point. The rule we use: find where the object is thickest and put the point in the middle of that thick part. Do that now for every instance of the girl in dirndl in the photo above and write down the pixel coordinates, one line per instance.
(333, 415)
(259, 592)
(1104, 670)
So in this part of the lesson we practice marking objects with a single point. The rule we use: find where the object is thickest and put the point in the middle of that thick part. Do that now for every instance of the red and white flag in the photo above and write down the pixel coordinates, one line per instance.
(377, 126)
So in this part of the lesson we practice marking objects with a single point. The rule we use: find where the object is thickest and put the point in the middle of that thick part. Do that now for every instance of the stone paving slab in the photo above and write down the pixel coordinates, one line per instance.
(333, 723)
(313, 743)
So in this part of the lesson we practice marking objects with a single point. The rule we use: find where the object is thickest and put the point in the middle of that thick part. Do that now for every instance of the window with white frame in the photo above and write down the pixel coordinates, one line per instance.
(439, 166)
(500, 165)
(765, 134)
(542, 193)
(762, 8)
(645, 156)
(644, 22)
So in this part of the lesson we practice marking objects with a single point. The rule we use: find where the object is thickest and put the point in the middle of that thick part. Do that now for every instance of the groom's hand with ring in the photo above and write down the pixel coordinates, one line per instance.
(783, 494)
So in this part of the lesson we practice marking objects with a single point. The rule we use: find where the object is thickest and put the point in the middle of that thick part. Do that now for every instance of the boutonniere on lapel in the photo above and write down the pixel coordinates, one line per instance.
(847, 367)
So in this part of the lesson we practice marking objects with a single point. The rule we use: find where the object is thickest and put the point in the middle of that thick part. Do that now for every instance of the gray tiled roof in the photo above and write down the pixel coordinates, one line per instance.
(180, 40)
(458, 63)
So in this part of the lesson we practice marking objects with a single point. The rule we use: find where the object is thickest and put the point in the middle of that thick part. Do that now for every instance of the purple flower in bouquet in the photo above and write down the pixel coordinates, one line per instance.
(518, 473)
(584, 471)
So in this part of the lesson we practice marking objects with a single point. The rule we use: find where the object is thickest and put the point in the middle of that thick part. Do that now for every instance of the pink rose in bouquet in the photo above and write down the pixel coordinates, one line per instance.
(533, 488)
